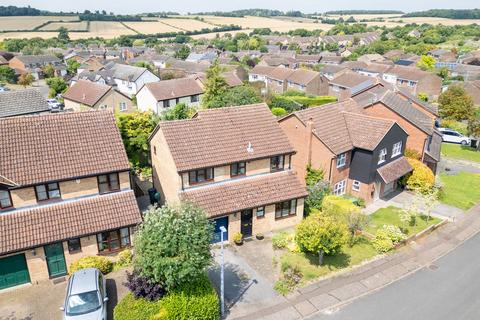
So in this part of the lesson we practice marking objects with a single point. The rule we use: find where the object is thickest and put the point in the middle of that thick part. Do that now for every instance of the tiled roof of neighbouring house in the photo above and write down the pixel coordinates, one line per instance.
(52, 147)
(174, 88)
(33, 227)
(86, 92)
(221, 136)
(22, 102)
(246, 193)
(394, 170)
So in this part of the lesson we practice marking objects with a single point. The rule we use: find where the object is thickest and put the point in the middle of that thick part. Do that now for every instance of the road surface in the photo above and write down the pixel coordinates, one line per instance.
(447, 290)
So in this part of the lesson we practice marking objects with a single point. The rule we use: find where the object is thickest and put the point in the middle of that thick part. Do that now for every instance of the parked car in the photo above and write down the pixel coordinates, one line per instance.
(4, 89)
(54, 105)
(86, 297)
(449, 135)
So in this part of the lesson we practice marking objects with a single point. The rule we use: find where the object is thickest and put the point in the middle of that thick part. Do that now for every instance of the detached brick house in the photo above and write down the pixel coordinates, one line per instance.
(34, 63)
(415, 116)
(64, 194)
(414, 80)
(359, 154)
(235, 163)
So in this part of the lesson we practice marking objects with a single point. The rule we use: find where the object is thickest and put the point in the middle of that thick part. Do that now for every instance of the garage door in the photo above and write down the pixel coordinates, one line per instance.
(217, 234)
(13, 271)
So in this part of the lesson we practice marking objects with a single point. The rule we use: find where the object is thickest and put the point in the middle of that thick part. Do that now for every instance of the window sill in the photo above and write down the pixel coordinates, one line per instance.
(285, 217)
(49, 201)
(111, 252)
(276, 170)
(200, 183)
(261, 217)
(110, 191)
(74, 251)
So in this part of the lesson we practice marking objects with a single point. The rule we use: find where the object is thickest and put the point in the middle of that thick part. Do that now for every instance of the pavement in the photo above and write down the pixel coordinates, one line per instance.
(447, 289)
(42, 301)
(331, 293)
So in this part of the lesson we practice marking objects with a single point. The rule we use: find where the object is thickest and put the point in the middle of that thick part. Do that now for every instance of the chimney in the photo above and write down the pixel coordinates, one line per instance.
(309, 140)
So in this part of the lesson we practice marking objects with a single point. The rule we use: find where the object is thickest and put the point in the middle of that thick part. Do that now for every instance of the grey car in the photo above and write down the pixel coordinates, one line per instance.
(86, 296)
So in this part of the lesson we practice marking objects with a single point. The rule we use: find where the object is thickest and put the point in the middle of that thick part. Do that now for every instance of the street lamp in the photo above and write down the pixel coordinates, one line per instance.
(223, 230)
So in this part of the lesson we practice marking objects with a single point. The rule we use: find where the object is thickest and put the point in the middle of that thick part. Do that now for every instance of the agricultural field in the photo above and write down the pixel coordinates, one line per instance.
(80, 25)
(104, 29)
(187, 24)
(151, 27)
(29, 23)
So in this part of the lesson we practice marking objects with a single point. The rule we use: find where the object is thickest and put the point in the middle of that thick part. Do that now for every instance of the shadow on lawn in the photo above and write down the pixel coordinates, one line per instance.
(337, 261)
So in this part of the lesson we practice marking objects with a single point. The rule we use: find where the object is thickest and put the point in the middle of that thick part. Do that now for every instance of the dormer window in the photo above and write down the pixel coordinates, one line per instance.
(5, 199)
(382, 155)
(277, 163)
(200, 176)
(238, 169)
(108, 183)
(48, 191)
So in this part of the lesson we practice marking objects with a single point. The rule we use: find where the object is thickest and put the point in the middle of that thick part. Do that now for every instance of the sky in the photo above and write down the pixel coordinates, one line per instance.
(184, 6)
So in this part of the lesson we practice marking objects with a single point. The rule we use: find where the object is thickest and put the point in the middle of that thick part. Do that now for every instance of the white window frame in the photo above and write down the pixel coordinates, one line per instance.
(122, 106)
(356, 185)
(340, 188)
(382, 156)
(341, 160)
(397, 149)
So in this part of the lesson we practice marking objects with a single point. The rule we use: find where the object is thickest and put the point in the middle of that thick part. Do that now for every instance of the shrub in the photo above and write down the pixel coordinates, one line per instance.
(281, 287)
(143, 287)
(172, 245)
(337, 206)
(279, 111)
(316, 194)
(387, 237)
(124, 259)
(313, 176)
(421, 179)
(280, 240)
(455, 125)
(237, 237)
(292, 276)
(195, 300)
(131, 308)
(414, 154)
(101, 263)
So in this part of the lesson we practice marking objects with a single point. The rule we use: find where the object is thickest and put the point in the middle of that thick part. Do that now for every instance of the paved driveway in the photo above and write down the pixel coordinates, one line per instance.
(42, 301)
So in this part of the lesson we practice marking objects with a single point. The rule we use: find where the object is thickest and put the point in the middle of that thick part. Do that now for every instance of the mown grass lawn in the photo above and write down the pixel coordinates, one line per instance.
(461, 190)
(308, 263)
(456, 151)
(391, 215)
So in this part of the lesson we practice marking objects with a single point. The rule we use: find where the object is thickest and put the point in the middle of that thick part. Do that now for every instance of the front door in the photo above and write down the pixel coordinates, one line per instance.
(55, 260)
(246, 223)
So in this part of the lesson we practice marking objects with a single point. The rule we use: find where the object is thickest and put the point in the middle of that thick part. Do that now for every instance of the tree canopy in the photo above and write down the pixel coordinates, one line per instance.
(456, 104)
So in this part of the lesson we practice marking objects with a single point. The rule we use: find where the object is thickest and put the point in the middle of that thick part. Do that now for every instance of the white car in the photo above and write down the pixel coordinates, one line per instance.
(86, 296)
(449, 135)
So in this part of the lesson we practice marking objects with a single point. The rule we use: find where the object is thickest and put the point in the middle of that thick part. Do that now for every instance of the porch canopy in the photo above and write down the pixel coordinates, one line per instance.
(394, 170)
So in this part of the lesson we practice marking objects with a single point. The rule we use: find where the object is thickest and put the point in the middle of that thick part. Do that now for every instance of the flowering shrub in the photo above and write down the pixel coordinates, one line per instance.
(101, 263)
(142, 287)
(421, 179)
(386, 238)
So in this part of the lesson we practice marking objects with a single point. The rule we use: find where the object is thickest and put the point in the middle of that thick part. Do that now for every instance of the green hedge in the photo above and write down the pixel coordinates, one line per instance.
(130, 308)
(101, 263)
(196, 300)
(311, 101)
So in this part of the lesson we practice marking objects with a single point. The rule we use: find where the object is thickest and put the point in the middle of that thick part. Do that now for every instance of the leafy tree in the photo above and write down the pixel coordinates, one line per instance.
(443, 73)
(172, 245)
(48, 71)
(183, 52)
(316, 194)
(426, 63)
(57, 86)
(456, 104)
(241, 95)
(422, 96)
(63, 34)
(474, 127)
(7, 74)
(215, 87)
(313, 176)
(25, 79)
(72, 66)
(135, 128)
(321, 234)
(179, 112)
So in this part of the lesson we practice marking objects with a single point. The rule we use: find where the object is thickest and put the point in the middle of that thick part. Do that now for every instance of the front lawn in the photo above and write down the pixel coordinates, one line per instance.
(456, 151)
(391, 216)
(461, 190)
(308, 263)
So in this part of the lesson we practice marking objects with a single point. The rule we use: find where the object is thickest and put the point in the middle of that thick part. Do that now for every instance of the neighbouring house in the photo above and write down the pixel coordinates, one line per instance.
(443, 55)
(373, 69)
(278, 61)
(85, 95)
(308, 59)
(310, 82)
(124, 78)
(22, 103)
(471, 87)
(359, 154)
(349, 83)
(415, 80)
(163, 95)
(259, 73)
(235, 163)
(331, 71)
(65, 194)
(34, 64)
(199, 57)
(276, 79)
(415, 116)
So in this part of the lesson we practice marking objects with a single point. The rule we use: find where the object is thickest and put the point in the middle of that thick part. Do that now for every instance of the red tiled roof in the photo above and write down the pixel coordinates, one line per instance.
(28, 228)
(221, 136)
(246, 193)
(394, 170)
(86, 92)
(174, 88)
(52, 147)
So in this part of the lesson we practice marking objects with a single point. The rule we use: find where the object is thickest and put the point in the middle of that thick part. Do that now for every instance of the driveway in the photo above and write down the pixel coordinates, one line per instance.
(246, 288)
(42, 301)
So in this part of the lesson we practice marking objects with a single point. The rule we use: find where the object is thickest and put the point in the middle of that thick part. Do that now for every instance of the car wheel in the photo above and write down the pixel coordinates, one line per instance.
(464, 143)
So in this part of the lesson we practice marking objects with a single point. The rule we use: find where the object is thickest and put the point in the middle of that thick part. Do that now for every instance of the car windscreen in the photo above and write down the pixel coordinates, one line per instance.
(83, 303)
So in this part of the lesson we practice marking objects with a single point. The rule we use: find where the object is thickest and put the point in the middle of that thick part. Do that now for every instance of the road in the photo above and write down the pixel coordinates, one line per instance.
(449, 289)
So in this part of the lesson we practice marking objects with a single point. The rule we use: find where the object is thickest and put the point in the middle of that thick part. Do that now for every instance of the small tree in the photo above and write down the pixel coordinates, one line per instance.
(316, 194)
(179, 112)
(63, 34)
(7, 74)
(25, 79)
(215, 87)
(183, 52)
(57, 86)
(48, 71)
(426, 63)
(172, 245)
(72, 66)
(474, 128)
(443, 73)
(456, 104)
(322, 235)
(312, 175)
